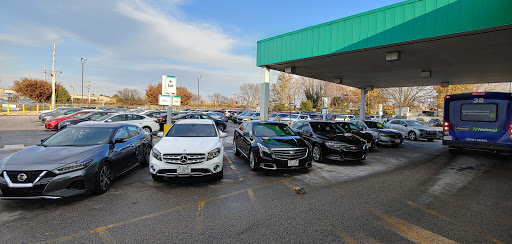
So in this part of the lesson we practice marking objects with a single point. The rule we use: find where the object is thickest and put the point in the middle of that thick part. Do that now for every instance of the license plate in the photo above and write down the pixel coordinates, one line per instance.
(397, 141)
(184, 169)
(293, 162)
(448, 138)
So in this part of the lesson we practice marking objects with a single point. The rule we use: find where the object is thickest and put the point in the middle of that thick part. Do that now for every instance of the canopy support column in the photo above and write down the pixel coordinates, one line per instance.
(363, 104)
(265, 93)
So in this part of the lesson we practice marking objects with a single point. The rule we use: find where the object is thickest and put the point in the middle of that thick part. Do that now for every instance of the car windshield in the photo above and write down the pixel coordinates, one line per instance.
(327, 128)
(376, 125)
(79, 137)
(192, 130)
(272, 130)
(414, 123)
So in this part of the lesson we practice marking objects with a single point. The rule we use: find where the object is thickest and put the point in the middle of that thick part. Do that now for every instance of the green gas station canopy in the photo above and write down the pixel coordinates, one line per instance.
(455, 41)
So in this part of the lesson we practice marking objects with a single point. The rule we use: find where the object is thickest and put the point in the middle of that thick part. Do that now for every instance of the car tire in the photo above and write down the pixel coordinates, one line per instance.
(147, 154)
(317, 153)
(147, 129)
(218, 176)
(237, 151)
(103, 178)
(412, 136)
(157, 178)
(253, 162)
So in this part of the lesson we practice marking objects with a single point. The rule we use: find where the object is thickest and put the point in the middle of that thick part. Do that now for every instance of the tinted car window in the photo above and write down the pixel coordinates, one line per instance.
(261, 130)
(96, 116)
(134, 117)
(326, 128)
(133, 131)
(376, 125)
(395, 122)
(117, 118)
(122, 133)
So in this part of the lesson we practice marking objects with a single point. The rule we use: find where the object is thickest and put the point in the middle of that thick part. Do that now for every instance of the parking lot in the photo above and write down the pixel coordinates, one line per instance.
(417, 193)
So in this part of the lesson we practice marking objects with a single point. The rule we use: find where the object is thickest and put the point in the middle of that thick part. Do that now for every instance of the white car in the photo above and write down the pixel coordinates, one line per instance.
(295, 117)
(191, 147)
(146, 123)
(344, 117)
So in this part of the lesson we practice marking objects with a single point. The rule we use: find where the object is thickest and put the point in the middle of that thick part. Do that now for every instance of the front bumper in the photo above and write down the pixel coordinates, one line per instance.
(50, 126)
(345, 155)
(276, 164)
(391, 140)
(49, 186)
(204, 168)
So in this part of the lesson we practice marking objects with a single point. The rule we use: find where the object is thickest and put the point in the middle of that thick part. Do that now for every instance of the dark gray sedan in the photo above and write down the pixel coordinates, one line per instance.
(385, 135)
(76, 160)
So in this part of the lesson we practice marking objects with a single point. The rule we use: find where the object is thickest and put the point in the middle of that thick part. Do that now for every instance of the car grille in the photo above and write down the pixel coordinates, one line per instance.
(31, 176)
(24, 192)
(290, 153)
(394, 136)
(353, 147)
(184, 158)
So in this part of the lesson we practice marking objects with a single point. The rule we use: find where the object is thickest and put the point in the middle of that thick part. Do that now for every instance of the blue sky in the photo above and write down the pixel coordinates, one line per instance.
(130, 42)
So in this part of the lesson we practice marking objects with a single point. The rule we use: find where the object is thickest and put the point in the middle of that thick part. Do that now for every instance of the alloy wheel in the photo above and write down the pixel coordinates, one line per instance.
(105, 177)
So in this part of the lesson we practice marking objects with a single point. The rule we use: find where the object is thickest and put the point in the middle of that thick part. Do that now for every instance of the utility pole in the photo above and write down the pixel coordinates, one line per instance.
(53, 77)
(73, 92)
(82, 60)
(198, 99)
(89, 90)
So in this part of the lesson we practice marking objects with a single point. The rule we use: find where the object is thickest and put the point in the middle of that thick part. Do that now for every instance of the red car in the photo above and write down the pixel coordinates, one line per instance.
(53, 123)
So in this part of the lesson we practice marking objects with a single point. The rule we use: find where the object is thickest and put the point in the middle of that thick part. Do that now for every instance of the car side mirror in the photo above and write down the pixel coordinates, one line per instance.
(160, 134)
(223, 135)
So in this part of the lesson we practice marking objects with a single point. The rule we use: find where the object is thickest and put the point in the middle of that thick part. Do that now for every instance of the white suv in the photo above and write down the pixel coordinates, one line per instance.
(191, 147)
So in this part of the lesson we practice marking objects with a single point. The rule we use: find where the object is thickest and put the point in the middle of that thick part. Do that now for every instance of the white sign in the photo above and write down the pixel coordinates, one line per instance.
(169, 84)
(164, 100)
(176, 101)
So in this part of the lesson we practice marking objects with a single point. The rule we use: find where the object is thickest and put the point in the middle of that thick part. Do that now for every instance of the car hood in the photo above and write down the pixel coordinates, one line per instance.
(187, 144)
(386, 131)
(348, 138)
(48, 158)
(282, 141)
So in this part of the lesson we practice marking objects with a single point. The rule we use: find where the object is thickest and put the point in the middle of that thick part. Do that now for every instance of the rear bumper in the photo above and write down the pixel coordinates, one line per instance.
(478, 146)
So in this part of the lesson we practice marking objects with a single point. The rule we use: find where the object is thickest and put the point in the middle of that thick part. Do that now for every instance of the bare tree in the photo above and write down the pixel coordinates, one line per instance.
(130, 96)
(249, 94)
(408, 96)
(217, 99)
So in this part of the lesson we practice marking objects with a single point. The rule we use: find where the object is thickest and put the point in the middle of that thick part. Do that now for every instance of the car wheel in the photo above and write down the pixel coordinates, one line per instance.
(157, 178)
(237, 151)
(253, 163)
(219, 175)
(147, 154)
(103, 178)
(412, 136)
(147, 130)
(317, 153)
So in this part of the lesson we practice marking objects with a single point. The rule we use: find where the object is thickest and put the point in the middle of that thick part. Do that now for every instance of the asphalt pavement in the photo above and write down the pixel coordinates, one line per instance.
(416, 193)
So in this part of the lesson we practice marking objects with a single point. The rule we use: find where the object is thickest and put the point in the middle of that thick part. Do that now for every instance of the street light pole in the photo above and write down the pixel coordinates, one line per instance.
(82, 60)
(198, 99)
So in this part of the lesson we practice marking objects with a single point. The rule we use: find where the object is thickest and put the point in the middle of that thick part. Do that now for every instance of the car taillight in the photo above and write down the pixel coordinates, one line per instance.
(446, 128)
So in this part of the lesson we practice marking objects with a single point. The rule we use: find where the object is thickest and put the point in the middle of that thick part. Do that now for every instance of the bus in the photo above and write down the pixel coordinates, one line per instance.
(478, 121)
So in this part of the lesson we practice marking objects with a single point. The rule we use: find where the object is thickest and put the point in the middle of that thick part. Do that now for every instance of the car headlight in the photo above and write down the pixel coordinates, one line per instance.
(264, 151)
(334, 144)
(156, 154)
(72, 167)
(213, 153)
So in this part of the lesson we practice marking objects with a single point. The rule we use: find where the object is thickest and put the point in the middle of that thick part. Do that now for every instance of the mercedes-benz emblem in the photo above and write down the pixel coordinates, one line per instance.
(183, 158)
(22, 177)
(292, 152)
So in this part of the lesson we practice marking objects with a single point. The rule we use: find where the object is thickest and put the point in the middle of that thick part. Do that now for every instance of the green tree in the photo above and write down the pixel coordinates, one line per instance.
(337, 102)
(280, 107)
(306, 106)
(62, 95)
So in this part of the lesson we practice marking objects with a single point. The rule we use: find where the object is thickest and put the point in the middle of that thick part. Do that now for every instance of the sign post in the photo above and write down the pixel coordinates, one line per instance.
(169, 84)
(324, 107)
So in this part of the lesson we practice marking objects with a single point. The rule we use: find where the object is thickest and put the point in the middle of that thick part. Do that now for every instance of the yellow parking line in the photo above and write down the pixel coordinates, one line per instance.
(106, 237)
(401, 227)
(488, 237)
(199, 217)
(255, 202)
(231, 164)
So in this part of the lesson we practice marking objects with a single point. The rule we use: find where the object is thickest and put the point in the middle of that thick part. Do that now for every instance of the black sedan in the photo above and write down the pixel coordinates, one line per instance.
(221, 125)
(330, 141)
(76, 160)
(271, 145)
(89, 117)
(371, 140)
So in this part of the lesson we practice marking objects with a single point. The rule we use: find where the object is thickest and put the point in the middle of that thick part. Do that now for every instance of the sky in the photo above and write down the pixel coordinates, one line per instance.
(132, 43)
